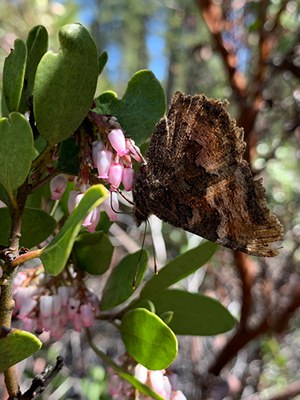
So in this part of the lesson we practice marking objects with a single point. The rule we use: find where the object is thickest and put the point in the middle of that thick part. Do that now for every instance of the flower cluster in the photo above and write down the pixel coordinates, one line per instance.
(113, 161)
(156, 380)
(52, 306)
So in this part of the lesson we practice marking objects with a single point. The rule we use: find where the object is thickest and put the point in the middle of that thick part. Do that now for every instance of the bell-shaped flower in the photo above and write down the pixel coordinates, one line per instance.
(97, 146)
(58, 186)
(103, 163)
(46, 304)
(87, 315)
(115, 175)
(117, 140)
(91, 221)
(111, 207)
(134, 151)
(72, 200)
(127, 178)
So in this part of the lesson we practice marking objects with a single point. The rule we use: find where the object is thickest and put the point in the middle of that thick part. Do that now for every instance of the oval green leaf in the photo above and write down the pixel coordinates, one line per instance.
(65, 84)
(92, 252)
(55, 256)
(193, 314)
(179, 268)
(15, 346)
(37, 226)
(16, 150)
(140, 108)
(37, 45)
(148, 339)
(13, 75)
(119, 286)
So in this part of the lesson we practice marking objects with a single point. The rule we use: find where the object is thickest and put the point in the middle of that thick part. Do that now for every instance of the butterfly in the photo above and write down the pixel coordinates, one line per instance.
(194, 177)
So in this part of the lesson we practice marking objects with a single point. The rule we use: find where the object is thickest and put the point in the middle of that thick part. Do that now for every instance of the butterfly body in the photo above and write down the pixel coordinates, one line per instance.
(195, 178)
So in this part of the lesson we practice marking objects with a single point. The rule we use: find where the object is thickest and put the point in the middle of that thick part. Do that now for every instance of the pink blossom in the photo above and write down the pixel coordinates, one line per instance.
(64, 293)
(141, 373)
(97, 146)
(72, 200)
(134, 150)
(159, 384)
(111, 207)
(77, 323)
(103, 163)
(46, 303)
(72, 307)
(56, 307)
(87, 315)
(117, 140)
(29, 324)
(115, 174)
(91, 221)
(58, 186)
(26, 307)
(127, 178)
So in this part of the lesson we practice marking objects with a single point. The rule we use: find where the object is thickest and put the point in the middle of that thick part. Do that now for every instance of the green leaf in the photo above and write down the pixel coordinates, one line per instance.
(179, 268)
(16, 150)
(92, 252)
(55, 256)
(193, 314)
(119, 286)
(13, 75)
(37, 226)
(65, 84)
(148, 339)
(102, 61)
(15, 346)
(142, 105)
(37, 45)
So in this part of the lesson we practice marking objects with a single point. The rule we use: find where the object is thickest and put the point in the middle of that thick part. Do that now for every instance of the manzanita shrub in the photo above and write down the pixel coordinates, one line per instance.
(65, 156)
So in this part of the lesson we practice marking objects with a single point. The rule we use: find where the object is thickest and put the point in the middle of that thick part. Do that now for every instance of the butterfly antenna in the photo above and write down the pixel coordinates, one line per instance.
(140, 257)
(154, 254)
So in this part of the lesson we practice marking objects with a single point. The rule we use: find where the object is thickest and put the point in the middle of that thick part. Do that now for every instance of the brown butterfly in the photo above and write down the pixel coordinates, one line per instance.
(195, 178)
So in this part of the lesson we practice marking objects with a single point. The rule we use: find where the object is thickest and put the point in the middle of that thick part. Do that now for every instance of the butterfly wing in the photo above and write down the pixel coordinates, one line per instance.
(195, 179)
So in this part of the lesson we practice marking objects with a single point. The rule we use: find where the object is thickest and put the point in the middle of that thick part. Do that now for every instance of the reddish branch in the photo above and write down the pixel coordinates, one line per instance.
(245, 334)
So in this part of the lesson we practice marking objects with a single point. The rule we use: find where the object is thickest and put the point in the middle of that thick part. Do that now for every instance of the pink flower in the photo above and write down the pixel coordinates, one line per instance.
(87, 315)
(103, 163)
(115, 175)
(117, 140)
(134, 151)
(72, 200)
(77, 322)
(111, 207)
(92, 219)
(127, 178)
(64, 293)
(26, 307)
(58, 186)
(46, 304)
(72, 307)
(97, 146)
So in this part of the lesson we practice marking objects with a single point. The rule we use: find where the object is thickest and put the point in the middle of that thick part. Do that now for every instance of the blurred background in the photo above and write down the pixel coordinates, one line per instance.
(249, 53)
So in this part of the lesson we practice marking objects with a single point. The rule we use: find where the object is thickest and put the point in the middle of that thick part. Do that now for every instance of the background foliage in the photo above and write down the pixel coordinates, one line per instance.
(247, 52)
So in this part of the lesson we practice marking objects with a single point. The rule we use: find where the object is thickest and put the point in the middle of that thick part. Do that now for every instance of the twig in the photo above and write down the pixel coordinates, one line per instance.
(41, 381)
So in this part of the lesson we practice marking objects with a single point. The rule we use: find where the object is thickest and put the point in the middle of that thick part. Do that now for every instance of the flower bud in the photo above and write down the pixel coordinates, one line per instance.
(111, 207)
(97, 146)
(117, 140)
(127, 178)
(58, 186)
(115, 175)
(103, 163)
